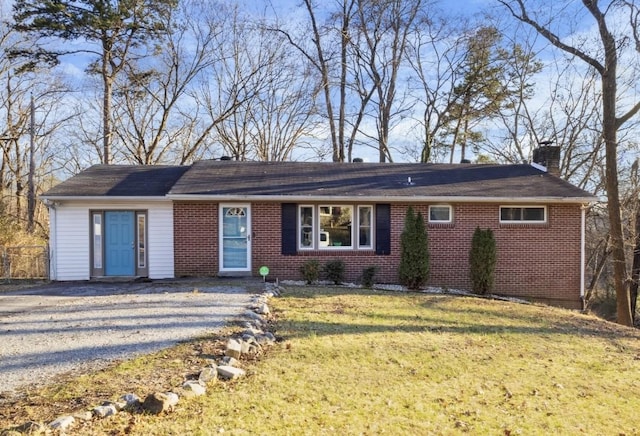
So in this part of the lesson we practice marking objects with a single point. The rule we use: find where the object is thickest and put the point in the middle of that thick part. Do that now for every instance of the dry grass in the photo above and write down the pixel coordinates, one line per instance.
(366, 362)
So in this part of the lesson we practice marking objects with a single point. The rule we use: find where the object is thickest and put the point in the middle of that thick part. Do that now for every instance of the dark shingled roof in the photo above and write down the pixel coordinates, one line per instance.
(280, 180)
(325, 179)
(120, 181)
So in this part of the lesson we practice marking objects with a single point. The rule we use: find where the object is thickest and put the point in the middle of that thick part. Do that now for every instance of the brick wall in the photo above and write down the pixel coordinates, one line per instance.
(538, 261)
(195, 228)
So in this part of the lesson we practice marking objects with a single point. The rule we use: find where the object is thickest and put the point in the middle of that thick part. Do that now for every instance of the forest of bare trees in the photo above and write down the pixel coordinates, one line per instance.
(173, 81)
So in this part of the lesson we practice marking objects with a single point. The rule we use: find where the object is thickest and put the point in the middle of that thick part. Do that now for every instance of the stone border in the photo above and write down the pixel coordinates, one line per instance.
(250, 342)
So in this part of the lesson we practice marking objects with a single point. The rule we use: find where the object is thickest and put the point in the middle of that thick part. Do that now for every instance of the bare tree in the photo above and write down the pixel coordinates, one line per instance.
(605, 60)
(114, 28)
(273, 122)
(383, 28)
(152, 93)
(31, 113)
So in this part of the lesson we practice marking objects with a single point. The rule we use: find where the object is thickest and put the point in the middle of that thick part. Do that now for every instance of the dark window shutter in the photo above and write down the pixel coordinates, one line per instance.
(383, 229)
(289, 223)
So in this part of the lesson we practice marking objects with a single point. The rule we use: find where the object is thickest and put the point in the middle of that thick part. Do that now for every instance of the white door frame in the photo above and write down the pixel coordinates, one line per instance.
(246, 233)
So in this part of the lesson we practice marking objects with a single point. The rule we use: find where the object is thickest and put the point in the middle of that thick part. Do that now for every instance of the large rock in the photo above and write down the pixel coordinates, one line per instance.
(130, 401)
(105, 410)
(193, 389)
(62, 423)
(234, 349)
(159, 402)
(230, 372)
(33, 428)
(208, 375)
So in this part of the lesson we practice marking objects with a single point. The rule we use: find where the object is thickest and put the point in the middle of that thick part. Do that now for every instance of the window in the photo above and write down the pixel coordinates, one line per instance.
(306, 227)
(440, 214)
(331, 227)
(520, 214)
(335, 224)
(365, 213)
(97, 241)
(142, 241)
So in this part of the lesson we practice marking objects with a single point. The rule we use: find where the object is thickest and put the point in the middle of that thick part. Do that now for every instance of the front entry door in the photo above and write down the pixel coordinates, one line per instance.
(235, 240)
(119, 243)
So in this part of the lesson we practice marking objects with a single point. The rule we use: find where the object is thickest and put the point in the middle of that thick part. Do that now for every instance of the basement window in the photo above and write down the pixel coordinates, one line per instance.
(440, 214)
(523, 214)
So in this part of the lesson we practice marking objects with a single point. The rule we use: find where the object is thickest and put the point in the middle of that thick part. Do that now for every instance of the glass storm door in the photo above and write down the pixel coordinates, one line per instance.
(235, 241)
(119, 245)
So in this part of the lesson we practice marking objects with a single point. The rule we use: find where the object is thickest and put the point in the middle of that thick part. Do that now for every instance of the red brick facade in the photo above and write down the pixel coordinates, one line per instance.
(537, 261)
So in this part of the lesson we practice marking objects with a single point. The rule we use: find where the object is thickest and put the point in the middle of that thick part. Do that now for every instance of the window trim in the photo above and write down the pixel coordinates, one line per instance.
(448, 206)
(524, 221)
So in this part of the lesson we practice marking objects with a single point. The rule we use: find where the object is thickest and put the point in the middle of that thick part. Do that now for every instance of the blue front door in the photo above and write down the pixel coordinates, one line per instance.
(119, 243)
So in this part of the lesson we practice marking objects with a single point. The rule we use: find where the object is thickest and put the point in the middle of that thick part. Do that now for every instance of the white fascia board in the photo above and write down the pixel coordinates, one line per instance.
(107, 199)
(381, 199)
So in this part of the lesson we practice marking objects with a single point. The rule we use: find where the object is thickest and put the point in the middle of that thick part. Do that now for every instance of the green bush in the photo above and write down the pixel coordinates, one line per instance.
(334, 270)
(369, 276)
(482, 261)
(310, 271)
(413, 271)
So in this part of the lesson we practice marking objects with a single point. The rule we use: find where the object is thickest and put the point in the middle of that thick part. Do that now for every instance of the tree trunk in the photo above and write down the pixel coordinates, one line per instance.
(635, 269)
(613, 195)
(106, 120)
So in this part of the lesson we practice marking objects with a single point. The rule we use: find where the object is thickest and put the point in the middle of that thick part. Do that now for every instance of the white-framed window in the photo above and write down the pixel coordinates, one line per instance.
(335, 227)
(306, 224)
(365, 226)
(440, 213)
(523, 214)
(97, 240)
(141, 228)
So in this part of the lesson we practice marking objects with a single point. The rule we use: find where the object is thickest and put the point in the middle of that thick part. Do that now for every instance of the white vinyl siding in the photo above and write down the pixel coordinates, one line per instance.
(72, 243)
(72, 238)
(160, 246)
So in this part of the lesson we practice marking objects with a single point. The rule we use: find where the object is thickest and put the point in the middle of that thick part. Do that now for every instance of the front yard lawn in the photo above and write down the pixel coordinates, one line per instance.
(353, 361)
(367, 362)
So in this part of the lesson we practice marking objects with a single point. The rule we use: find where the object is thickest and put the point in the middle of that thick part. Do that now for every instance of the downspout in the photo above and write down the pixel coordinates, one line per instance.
(53, 235)
(583, 225)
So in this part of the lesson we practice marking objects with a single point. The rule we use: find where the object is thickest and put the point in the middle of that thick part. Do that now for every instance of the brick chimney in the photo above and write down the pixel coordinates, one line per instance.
(549, 157)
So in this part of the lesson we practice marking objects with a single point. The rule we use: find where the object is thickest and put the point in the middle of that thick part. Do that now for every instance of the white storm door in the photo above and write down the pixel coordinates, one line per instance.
(235, 237)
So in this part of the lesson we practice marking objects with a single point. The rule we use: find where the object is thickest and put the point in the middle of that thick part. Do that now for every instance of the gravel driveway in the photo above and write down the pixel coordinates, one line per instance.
(53, 329)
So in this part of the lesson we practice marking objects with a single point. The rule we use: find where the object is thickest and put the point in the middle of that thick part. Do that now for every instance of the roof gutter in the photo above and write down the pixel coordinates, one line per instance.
(50, 199)
(380, 199)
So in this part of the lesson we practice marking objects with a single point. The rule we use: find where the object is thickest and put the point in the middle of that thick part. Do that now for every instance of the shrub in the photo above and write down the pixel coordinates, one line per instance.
(368, 276)
(482, 261)
(413, 271)
(334, 269)
(310, 271)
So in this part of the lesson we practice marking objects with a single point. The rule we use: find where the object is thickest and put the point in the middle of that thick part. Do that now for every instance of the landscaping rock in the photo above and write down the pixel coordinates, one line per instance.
(230, 372)
(263, 309)
(208, 374)
(244, 347)
(130, 401)
(62, 423)
(254, 316)
(83, 416)
(229, 361)
(105, 410)
(159, 402)
(234, 349)
(32, 428)
(193, 389)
